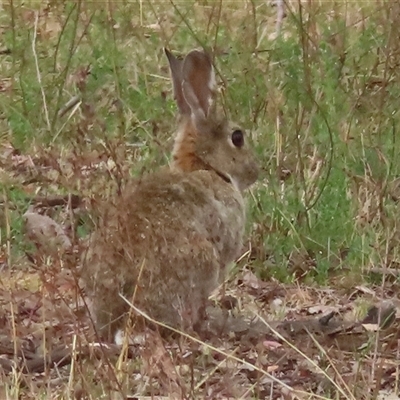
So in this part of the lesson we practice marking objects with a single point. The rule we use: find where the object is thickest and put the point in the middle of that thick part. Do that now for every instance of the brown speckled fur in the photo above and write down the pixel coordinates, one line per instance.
(165, 242)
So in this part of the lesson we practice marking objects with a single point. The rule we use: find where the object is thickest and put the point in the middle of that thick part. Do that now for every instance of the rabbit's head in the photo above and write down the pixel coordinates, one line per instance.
(205, 141)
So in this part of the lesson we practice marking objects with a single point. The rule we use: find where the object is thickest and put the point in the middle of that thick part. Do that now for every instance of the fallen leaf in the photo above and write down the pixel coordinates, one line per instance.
(46, 233)
(271, 345)
(371, 327)
(322, 309)
(365, 290)
(251, 281)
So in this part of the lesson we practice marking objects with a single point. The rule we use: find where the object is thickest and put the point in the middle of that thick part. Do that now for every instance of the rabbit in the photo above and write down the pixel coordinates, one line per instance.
(166, 241)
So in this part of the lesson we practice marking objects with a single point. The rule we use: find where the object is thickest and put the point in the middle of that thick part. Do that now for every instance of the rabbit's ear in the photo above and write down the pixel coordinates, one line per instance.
(198, 84)
(177, 77)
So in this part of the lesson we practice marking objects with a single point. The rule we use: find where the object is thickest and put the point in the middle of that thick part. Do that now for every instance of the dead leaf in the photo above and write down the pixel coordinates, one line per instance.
(386, 395)
(322, 309)
(49, 26)
(271, 345)
(46, 233)
(371, 327)
(5, 85)
(251, 281)
(365, 289)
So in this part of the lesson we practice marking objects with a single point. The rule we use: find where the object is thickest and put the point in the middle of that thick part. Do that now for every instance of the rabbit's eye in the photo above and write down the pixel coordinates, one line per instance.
(237, 138)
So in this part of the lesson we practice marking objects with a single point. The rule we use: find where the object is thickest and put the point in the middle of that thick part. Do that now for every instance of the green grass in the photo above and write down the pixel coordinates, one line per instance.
(321, 102)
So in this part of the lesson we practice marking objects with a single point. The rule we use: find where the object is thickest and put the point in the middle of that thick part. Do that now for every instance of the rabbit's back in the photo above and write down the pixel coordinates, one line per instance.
(165, 242)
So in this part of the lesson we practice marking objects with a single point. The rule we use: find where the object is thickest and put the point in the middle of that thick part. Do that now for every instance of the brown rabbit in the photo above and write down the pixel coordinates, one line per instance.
(166, 241)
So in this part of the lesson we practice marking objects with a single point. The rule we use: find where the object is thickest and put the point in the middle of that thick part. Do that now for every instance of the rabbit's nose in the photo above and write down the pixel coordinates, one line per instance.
(253, 172)
(249, 175)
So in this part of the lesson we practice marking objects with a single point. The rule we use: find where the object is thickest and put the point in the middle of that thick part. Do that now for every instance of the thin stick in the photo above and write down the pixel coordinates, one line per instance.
(280, 13)
(46, 113)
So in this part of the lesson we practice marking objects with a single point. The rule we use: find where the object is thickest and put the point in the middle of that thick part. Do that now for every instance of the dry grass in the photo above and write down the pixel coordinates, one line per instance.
(86, 103)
